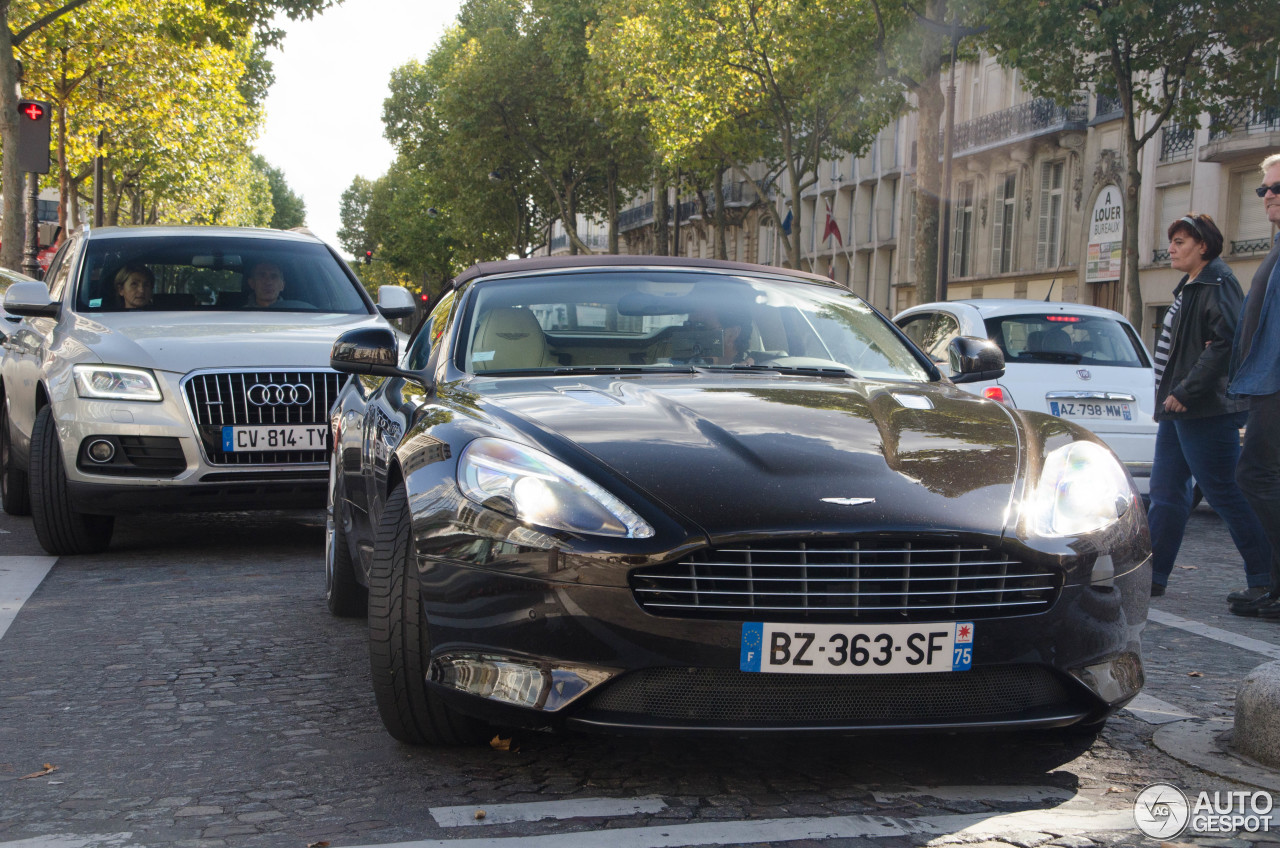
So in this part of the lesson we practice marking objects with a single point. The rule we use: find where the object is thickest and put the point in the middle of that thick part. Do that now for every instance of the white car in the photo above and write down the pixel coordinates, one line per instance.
(1080, 362)
(200, 398)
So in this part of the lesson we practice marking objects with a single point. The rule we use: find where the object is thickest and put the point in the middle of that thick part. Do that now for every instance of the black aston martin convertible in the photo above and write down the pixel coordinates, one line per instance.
(652, 494)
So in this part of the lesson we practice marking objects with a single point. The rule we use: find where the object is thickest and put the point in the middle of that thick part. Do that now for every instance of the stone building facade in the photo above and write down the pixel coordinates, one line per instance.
(1035, 189)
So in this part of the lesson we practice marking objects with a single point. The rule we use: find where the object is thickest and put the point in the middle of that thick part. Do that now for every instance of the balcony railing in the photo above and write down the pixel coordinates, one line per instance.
(1177, 143)
(1107, 105)
(637, 216)
(1158, 256)
(1035, 117)
(1261, 245)
(559, 242)
(1246, 119)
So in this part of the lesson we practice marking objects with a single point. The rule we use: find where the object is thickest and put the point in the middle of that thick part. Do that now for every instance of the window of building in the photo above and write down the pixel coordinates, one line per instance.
(765, 250)
(1049, 236)
(1174, 202)
(1252, 230)
(1002, 226)
(962, 231)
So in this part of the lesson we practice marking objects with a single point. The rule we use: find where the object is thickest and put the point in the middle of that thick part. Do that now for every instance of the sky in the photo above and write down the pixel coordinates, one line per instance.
(324, 113)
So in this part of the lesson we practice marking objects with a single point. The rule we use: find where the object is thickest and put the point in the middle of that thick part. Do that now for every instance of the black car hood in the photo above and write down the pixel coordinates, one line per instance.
(757, 453)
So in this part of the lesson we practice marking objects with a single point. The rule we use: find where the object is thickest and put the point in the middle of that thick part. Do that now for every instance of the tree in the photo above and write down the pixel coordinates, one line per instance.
(215, 22)
(1165, 59)
(786, 83)
(288, 209)
(353, 212)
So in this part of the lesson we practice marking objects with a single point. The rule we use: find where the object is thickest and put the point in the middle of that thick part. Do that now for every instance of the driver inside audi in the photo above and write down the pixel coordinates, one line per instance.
(265, 283)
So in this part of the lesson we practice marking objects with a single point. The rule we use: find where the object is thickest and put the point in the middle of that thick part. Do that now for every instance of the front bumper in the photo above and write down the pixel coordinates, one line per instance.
(631, 671)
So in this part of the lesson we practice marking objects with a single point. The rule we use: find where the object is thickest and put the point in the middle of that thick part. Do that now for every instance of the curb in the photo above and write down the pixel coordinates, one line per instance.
(1203, 744)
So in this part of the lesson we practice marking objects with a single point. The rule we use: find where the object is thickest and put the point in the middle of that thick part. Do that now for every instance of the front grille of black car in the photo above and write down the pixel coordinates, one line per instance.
(862, 580)
(216, 400)
(729, 696)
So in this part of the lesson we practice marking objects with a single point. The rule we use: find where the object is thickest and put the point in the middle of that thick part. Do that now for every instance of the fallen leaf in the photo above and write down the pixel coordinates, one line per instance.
(480, 814)
(324, 843)
(1188, 567)
(48, 769)
(497, 743)
(1195, 674)
(1111, 789)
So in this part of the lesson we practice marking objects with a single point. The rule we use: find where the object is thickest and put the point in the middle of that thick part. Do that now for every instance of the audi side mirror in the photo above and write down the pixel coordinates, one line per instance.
(30, 300)
(974, 360)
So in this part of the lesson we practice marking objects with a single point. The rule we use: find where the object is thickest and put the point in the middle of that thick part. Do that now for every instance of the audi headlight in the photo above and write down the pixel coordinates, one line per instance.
(1082, 488)
(534, 487)
(112, 382)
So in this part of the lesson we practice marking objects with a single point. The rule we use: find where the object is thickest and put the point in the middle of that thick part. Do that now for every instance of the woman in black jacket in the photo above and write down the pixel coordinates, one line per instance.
(1199, 424)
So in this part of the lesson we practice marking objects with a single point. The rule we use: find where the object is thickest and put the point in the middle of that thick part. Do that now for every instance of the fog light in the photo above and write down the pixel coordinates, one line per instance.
(519, 682)
(101, 451)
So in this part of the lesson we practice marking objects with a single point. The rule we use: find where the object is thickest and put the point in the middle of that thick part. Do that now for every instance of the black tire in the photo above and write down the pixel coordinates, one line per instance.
(342, 591)
(60, 529)
(15, 487)
(399, 648)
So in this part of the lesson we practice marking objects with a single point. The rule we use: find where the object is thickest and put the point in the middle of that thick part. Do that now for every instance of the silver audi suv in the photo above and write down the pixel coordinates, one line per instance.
(174, 368)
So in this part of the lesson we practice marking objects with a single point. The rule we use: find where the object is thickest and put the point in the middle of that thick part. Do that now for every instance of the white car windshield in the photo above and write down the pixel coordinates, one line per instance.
(661, 320)
(172, 273)
(1069, 339)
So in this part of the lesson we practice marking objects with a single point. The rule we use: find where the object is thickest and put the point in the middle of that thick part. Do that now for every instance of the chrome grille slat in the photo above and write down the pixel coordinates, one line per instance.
(218, 399)
(888, 579)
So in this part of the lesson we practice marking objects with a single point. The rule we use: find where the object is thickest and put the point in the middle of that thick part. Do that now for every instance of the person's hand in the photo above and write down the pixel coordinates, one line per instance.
(1172, 404)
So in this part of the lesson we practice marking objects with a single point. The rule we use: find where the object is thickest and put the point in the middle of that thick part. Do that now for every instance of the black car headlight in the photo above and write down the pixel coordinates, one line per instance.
(1082, 488)
(539, 489)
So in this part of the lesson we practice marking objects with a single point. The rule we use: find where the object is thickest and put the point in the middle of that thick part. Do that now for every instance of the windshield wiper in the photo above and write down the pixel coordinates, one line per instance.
(623, 369)
(804, 370)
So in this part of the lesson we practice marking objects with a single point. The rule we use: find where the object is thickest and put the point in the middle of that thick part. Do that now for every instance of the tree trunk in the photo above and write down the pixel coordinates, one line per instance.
(611, 177)
(1133, 185)
(661, 244)
(11, 182)
(722, 250)
(931, 104)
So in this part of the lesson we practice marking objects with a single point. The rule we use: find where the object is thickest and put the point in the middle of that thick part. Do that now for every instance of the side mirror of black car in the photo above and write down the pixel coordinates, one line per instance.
(369, 350)
(973, 360)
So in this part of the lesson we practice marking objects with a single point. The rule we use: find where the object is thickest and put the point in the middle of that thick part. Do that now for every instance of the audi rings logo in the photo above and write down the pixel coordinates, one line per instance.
(279, 394)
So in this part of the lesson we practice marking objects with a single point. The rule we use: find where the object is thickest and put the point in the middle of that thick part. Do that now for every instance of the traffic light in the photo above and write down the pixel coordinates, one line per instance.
(368, 256)
(424, 298)
(33, 136)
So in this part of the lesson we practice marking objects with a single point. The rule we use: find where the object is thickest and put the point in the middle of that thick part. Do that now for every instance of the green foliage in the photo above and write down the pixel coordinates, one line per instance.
(353, 212)
(784, 82)
(288, 209)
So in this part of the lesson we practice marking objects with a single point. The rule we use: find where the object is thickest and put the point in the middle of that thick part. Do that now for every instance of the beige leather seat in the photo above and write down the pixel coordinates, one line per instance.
(510, 338)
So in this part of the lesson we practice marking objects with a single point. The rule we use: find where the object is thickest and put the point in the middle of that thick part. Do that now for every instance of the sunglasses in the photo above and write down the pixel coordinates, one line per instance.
(1262, 190)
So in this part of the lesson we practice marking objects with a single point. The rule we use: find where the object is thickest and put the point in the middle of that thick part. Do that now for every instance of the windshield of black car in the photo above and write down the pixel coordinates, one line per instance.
(206, 274)
(677, 320)
(1057, 337)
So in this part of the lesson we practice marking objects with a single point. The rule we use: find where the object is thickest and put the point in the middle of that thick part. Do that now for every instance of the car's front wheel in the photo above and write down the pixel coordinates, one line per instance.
(60, 528)
(14, 486)
(399, 647)
(342, 591)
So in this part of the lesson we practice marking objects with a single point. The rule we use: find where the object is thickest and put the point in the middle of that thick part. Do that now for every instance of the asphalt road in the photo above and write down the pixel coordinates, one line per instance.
(189, 688)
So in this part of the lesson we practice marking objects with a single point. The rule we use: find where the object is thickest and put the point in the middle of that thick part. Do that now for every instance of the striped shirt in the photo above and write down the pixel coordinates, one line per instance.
(1166, 337)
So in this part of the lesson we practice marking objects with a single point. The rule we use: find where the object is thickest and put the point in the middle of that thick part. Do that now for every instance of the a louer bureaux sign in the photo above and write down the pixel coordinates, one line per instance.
(1106, 224)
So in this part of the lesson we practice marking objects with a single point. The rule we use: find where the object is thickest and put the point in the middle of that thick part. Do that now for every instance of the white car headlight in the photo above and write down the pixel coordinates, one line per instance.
(113, 382)
(1082, 488)
(539, 489)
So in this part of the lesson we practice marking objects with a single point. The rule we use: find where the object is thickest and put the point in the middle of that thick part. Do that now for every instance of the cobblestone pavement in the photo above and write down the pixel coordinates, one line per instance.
(188, 688)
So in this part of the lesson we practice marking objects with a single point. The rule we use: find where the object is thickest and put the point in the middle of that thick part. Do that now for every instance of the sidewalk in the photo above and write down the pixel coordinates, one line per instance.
(1196, 655)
